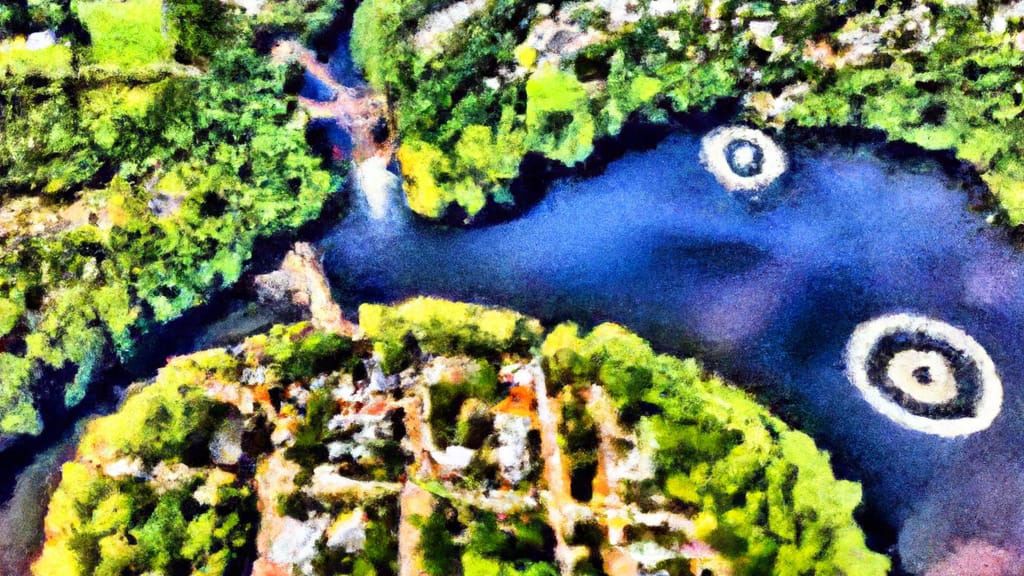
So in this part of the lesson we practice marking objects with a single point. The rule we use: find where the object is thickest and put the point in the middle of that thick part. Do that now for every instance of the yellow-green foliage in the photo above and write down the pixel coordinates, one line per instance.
(16, 60)
(558, 118)
(299, 351)
(482, 163)
(766, 495)
(99, 525)
(16, 411)
(126, 34)
(443, 327)
(103, 525)
(421, 163)
(951, 85)
(154, 423)
(229, 162)
(10, 313)
(629, 90)
(106, 110)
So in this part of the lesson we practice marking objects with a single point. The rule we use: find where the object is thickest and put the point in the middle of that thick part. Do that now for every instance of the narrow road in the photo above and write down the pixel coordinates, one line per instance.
(559, 500)
(413, 500)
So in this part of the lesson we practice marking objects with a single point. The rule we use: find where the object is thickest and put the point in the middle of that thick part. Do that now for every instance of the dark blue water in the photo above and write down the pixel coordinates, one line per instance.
(767, 297)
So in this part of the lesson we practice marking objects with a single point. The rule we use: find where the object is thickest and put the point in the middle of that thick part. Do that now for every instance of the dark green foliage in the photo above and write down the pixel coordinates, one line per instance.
(938, 76)
(381, 548)
(306, 19)
(513, 541)
(379, 556)
(590, 535)
(165, 418)
(185, 171)
(440, 552)
(98, 524)
(309, 448)
(202, 27)
(447, 398)
(763, 495)
(299, 352)
(581, 443)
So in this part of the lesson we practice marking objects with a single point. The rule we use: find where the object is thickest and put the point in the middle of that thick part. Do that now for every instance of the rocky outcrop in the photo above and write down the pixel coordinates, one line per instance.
(302, 283)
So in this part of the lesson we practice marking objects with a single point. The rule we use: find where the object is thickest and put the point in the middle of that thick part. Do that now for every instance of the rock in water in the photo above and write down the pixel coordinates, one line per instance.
(301, 282)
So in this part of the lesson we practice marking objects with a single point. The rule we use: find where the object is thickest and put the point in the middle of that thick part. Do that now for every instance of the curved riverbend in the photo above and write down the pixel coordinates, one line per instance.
(767, 296)
(768, 292)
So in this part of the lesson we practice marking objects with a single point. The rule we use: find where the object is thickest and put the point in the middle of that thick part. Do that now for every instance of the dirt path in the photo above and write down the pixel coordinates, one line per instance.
(559, 500)
(608, 502)
(413, 500)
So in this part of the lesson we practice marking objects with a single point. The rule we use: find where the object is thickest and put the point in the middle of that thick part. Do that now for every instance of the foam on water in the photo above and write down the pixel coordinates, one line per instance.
(769, 297)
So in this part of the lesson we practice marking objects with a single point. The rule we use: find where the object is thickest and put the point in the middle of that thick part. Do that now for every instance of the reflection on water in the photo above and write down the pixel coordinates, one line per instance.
(768, 297)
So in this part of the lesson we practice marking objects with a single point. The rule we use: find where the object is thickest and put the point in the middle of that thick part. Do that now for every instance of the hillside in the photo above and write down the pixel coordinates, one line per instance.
(447, 438)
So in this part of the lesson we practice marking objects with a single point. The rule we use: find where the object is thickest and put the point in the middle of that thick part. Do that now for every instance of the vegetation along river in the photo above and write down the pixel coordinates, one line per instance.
(768, 293)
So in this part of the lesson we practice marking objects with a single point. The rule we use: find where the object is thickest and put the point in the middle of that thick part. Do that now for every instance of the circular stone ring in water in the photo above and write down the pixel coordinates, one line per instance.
(924, 374)
(742, 159)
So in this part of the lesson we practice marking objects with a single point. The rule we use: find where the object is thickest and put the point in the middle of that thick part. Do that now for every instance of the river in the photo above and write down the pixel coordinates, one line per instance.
(766, 295)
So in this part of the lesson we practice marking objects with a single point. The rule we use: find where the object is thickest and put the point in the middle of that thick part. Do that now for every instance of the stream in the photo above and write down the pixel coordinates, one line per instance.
(766, 295)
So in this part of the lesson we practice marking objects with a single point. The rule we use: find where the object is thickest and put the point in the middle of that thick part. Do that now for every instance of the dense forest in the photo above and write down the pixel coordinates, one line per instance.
(480, 85)
(433, 436)
(146, 146)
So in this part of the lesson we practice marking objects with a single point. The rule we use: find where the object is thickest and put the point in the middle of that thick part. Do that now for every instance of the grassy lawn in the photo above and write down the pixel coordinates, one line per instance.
(127, 35)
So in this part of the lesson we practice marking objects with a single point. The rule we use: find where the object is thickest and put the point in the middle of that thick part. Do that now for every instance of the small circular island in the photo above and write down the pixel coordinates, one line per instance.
(924, 374)
(742, 159)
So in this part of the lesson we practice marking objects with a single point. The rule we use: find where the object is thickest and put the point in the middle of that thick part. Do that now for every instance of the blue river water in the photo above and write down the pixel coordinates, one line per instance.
(766, 296)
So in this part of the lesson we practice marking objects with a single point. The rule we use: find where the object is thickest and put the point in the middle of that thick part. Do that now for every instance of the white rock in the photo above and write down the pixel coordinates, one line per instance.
(165, 478)
(659, 8)
(671, 37)
(650, 554)
(282, 434)
(513, 449)
(454, 458)
(348, 532)
(296, 544)
(226, 445)
(40, 40)
(380, 382)
(124, 467)
(763, 29)
(444, 21)
(251, 7)
(620, 12)
(524, 377)
(327, 483)
(254, 376)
